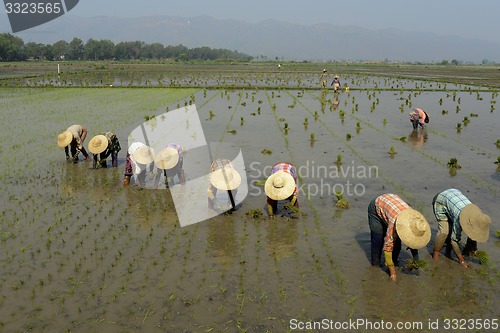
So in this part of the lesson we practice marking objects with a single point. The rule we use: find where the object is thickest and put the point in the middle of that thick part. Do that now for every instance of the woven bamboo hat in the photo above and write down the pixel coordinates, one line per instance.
(167, 158)
(413, 229)
(64, 139)
(475, 223)
(143, 154)
(98, 144)
(280, 185)
(226, 178)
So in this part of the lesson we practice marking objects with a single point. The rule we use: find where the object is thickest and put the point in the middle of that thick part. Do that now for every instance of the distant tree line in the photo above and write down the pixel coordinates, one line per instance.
(13, 48)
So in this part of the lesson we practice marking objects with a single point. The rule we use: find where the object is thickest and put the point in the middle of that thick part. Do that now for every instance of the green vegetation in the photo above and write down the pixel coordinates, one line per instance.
(453, 163)
(392, 151)
(341, 202)
(254, 213)
(482, 256)
(14, 49)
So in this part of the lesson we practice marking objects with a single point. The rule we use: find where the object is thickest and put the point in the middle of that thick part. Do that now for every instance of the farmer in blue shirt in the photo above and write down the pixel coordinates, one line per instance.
(454, 213)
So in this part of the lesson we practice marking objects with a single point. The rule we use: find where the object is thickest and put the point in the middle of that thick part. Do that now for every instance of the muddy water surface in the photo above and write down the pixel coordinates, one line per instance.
(83, 254)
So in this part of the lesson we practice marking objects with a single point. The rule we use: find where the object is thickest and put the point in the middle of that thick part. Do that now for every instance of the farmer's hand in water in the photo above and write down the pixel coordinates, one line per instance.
(392, 272)
(464, 263)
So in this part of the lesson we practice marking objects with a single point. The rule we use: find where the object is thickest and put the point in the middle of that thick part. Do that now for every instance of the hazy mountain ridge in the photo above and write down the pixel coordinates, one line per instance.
(270, 38)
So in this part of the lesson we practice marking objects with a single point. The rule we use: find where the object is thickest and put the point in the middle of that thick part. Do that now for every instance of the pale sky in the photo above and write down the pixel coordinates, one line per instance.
(472, 19)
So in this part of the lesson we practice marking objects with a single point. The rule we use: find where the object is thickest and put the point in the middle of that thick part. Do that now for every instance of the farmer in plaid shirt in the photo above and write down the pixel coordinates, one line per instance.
(391, 221)
(454, 213)
(281, 185)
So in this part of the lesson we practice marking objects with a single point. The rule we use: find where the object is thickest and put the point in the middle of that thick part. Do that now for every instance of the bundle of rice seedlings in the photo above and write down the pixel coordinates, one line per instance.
(483, 256)
(254, 213)
(412, 264)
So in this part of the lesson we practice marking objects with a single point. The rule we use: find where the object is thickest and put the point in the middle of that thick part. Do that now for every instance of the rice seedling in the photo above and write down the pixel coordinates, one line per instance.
(466, 121)
(482, 256)
(453, 163)
(497, 233)
(338, 162)
(497, 161)
(266, 151)
(459, 127)
(312, 138)
(348, 136)
(341, 202)
(392, 151)
(231, 131)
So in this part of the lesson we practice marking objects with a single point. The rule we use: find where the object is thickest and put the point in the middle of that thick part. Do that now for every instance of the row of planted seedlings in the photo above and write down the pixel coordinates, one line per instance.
(251, 106)
(419, 201)
(68, 226)
(320, 274)
(245, 296)
(479, 145)
(478, 174)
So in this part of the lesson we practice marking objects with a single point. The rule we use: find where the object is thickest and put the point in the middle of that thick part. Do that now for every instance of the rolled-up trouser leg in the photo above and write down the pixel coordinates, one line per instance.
(442, 234)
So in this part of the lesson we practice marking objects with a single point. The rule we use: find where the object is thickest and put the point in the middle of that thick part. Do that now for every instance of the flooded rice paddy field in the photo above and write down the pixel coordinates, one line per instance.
(81, 253)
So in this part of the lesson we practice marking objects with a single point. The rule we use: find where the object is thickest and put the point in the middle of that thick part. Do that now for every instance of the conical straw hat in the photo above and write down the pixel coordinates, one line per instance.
(64, 139)
(475, 223)
(144, 155)
(413, 229)
(226, 178)
(280, 185)
(167, 158)
(98, 144)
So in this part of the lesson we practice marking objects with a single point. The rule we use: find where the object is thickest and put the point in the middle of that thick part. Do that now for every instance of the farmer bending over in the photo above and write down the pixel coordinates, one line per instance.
(454, 213)
(281, 185)
(391, 222)
(73, 138)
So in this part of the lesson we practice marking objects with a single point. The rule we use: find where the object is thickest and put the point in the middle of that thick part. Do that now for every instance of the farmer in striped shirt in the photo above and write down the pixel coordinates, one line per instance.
(418, 117)
(454, 213)
(281, 185)
(391, 222)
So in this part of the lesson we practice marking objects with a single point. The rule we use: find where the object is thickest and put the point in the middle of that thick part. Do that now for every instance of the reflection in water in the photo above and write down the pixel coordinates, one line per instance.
(336, 102)
(418, 138)
(323, 101)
